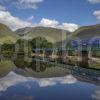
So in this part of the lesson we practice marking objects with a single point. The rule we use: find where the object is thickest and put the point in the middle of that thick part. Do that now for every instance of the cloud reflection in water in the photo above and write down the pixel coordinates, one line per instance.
(96, 95)
(13, 79)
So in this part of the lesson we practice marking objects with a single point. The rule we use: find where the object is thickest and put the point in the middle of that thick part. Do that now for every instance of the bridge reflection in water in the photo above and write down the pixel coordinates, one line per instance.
(80, 58)
(46, 68)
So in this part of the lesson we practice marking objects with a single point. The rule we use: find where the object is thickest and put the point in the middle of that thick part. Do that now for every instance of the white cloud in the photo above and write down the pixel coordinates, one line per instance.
(97, 14)
(16, 23)
(69, 26)
(94, 1)
(30, 19)
(13, 22)
(46, 82)
(55, 24)
(53, 81)
(13, 79)
(48, 22)
(10, 80)
(29, 3)
(22, 4)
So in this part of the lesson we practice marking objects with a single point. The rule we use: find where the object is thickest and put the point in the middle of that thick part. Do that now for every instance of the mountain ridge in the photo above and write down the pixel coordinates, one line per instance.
(51, 34)
(87, 32)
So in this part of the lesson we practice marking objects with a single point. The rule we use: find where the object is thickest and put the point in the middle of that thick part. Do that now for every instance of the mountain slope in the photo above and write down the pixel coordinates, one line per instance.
(6, 35)
(51, 34)
(87, 32)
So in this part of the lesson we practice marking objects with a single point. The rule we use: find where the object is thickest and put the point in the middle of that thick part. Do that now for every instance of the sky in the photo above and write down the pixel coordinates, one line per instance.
(62, 14)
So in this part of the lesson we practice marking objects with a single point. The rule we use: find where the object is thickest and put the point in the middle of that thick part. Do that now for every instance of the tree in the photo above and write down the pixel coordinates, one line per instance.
(8, 50)
(70, 49)
(40, 43)
(49, 48)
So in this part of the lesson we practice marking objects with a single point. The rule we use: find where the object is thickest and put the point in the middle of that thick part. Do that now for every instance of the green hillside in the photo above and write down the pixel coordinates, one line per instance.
(51, 34)
(87, 32)
(6, 35)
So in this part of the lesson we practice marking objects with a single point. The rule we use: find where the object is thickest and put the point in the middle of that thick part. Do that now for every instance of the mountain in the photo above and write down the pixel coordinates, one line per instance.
(7, 35)
(59, 36)
(51, 34)
(87, 32)
(84, 32)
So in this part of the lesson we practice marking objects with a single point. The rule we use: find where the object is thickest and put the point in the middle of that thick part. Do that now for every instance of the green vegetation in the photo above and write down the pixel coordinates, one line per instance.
(6, 67)
(96, 53)
(87, 32)
(39, 42)
(43, 39)
(6, 35)
(95, 64)
(51, 34)
(20, 62)
(72, 51)
(7, 50)
(42, 44)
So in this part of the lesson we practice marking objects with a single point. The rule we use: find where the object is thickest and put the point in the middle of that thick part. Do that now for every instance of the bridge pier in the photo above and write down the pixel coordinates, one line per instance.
(85, 54)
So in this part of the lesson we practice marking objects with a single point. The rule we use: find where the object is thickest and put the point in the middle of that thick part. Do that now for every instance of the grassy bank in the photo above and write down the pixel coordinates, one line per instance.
(6, 67)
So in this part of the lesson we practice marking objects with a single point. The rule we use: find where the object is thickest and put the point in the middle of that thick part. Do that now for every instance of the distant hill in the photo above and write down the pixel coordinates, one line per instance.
(87, 32)
(51, 34)
(7, 35)
(84, 32)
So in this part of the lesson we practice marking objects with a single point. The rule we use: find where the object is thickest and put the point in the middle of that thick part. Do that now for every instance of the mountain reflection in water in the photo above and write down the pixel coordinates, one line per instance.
(38, 80)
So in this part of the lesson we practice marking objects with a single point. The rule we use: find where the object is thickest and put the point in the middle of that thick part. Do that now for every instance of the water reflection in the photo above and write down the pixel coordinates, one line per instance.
(40, 68)
(35, 79)
(14, 87)
(96, 95)
(13, 79)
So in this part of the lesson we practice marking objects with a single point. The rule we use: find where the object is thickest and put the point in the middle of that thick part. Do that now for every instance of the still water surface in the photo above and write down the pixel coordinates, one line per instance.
(38, 80)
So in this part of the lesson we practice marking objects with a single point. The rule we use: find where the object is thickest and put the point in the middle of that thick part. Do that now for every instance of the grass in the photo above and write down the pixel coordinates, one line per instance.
(6, 67)
(95, 65)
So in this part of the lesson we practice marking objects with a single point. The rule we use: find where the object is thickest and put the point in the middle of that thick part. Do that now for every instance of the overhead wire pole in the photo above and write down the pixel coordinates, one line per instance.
(0, 54)
(37, 52)
(16, 50)
(63, 46)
